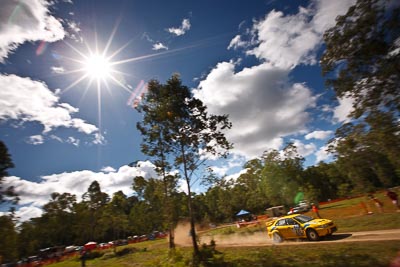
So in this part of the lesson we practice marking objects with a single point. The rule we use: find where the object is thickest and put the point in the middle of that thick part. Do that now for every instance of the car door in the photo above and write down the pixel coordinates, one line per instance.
(282, 228)
(294, 230)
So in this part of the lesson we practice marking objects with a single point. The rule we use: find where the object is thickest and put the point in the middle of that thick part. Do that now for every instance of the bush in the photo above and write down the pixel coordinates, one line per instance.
(125, 251)
(209, 256)
(90, 255)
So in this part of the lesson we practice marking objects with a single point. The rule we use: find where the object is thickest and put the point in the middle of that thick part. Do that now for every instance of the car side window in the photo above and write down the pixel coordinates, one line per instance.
(291, 222)
(281, 222)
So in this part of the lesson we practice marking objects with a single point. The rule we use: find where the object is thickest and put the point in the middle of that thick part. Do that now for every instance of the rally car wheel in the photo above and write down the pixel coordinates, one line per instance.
(312, 235)
(277, 238)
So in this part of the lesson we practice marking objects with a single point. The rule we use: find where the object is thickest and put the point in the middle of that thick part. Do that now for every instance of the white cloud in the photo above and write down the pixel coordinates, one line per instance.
(342, 111)
(74, 31)
(322, 154)
(159, 46)
(25, 213)
(327, 11)
(237, 42)
(55, 137)
(22, 21)
(73, 140)
(262, 105)
(57, 70)
(304, 149)
(34, 195)
(286, 41)
(99, 139)
(321, 135)
(82, 126)
(290, 40)
(108, 169)
(32, 101)
(235, 176)
(182, 29)
(182, 186)
(220, 171)
(35, 140)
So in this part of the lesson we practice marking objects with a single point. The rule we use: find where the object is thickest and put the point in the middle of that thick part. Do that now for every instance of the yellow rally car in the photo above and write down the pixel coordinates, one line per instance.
(299, 226)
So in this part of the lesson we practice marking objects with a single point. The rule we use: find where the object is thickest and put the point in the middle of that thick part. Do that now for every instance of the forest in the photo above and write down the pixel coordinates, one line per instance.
(176, 126)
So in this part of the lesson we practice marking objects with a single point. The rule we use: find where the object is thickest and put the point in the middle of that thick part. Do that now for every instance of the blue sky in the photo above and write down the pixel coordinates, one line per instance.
(65, 127)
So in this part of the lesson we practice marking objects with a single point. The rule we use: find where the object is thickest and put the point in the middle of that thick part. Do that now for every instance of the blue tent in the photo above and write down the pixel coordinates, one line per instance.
(242, 213)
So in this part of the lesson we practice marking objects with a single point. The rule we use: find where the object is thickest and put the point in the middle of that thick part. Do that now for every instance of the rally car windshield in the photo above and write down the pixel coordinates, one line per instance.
(303, 218)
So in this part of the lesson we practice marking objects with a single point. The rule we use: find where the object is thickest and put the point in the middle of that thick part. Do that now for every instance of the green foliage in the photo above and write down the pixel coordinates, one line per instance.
(361, 62)
(125, 251)
(296, 255)
(209, 256)
(94, 255)
(176, 128)
(8, 240)
(6, 194)
(361, 47)
(366, 152)
(282, 175)
(5, 160)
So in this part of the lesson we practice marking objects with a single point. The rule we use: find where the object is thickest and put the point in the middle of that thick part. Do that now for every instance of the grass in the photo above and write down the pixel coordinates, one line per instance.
(347, 214)
(369, 222)
(335, 254)
(341, 254)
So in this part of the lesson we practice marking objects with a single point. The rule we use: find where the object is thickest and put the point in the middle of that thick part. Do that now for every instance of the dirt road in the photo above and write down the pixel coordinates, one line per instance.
(262, 239)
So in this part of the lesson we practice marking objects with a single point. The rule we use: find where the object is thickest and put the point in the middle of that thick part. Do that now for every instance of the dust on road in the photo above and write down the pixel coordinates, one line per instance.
(182, 238)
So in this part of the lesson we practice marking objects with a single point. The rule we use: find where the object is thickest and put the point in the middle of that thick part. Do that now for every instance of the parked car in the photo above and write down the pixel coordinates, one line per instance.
(303, 206)
(90, 245)
(105, 245)
(297, 226)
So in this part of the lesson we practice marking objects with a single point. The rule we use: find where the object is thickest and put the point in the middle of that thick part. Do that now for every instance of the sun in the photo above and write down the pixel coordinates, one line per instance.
(97, 66)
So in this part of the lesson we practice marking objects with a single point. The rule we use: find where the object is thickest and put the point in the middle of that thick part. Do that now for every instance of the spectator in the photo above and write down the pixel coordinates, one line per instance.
(83, 257)
(365, 208)
(378, 203)
(315, 210)
(393, 197)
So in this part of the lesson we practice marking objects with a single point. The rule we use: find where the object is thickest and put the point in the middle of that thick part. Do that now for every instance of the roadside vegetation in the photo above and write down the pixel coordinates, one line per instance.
(370, 253)
(330, 255)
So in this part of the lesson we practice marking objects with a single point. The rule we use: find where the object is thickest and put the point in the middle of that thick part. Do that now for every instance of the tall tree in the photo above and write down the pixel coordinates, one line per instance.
(282, 175)
(362, 62)
(59, 218)
(252, 193)
(8, 249)
(188, 131)
(365, 152)
(114, 220)
(155, 145)
(364, 48)
(6, 193)
(91, 209)
(8, 240)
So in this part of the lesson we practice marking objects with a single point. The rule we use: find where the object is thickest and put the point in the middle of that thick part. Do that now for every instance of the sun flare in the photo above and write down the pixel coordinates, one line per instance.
(97, 67)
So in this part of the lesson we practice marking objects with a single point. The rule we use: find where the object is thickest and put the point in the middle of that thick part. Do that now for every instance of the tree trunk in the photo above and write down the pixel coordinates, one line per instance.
(196, 252)
(192, 227)
(168, 211)
(171, 235)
